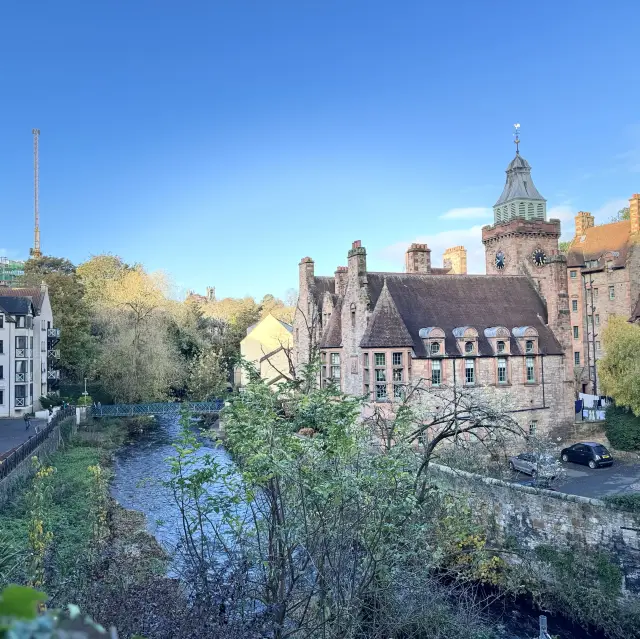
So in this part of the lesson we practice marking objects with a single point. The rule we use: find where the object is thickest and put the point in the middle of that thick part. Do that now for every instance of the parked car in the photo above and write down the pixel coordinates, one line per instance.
(590, 453)
(534, 464)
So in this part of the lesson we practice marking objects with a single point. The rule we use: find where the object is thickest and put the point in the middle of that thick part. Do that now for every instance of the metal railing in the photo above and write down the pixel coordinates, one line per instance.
(53, 333)
(155, 408)
(53, 353)
(25, 450)
(19, 403)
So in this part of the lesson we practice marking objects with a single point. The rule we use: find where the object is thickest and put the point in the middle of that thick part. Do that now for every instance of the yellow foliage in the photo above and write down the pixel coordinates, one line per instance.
(619, 369)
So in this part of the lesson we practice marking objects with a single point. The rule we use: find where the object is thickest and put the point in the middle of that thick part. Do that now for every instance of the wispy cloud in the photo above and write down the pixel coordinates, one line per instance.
(468, 213)
(470, 238)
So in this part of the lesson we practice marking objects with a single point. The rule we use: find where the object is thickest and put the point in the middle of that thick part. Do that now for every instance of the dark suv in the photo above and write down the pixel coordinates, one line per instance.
(590, 453)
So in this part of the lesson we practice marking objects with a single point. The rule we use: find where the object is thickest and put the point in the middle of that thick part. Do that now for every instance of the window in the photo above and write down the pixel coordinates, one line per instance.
(528, 346)
(21, 344)
(397, 359)
(353, 315)
(468, 347)
(397, 379)
(595, 293)
(574, 274)
(597, 319)
(1, 321)
(576, 358)
(501, 347)
(612, 292)
(365, 360)
(436, 372)
(380, 359)
(381, 382)
(20, 321)
(1, 397)
(434, 348)
(597, 346)
(335, 366)
(1, 372)
(533, 427)
(469, 371)
(20, 391)
(531, 369)
(1, 346)
(576, 332)
(574, 305)
(502, 370)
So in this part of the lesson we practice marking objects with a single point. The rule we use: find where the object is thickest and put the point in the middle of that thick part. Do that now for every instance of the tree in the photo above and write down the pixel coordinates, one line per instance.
(564, 246)
(207, 377)
(97, 272)
(70, 311)
(619, 369)
(622, 214)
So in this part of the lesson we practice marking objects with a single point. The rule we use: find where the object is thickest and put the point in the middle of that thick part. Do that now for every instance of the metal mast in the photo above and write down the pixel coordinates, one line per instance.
(35, 251)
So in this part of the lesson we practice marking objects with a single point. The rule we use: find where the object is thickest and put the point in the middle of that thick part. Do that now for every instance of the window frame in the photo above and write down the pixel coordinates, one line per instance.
(576, 332)
(576, 358)
(530, 365)
(612, 292)
(469, 366)
(502, 365)
(437, 363)
(574, 306)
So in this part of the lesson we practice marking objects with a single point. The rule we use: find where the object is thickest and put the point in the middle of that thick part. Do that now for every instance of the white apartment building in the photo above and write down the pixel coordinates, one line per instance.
(28, 350)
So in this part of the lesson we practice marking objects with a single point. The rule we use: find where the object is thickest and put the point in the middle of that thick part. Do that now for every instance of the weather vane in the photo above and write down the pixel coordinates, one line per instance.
(516, 135)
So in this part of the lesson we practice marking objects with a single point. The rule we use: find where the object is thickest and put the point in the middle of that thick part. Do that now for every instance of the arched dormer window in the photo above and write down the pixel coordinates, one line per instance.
(467, 338)
(527, 339)
(433, 339)
(499, 338)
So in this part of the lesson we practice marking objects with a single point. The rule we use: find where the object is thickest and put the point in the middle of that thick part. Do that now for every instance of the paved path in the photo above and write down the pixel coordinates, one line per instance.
(13, 432)
(621, 477)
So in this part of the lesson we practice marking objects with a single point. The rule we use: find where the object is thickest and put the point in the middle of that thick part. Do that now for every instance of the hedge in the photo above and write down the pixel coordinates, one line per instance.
(622, 428)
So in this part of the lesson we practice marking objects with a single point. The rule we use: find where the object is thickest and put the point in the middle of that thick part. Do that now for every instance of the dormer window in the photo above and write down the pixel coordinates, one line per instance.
(468, 347)
(500, 346)
(529, 346)
(467, 339)
(433, 339)
(434, 349)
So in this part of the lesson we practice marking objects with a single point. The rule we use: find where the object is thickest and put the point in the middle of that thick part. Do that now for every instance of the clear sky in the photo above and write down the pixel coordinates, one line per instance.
(224, 141)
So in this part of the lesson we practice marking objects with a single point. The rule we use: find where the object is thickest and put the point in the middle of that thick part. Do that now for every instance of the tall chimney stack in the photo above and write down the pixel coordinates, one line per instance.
(417, 259)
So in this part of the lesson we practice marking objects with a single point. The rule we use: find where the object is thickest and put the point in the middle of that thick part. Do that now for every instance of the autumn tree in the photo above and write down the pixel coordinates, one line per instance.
(69, 308)
(621, 215)
(619, 369)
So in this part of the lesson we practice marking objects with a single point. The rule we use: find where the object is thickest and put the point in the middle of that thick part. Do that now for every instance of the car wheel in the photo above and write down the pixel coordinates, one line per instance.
(592, 464)
(565, 458)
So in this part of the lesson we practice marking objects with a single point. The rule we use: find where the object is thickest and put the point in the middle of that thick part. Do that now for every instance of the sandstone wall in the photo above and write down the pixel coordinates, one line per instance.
(535, 517)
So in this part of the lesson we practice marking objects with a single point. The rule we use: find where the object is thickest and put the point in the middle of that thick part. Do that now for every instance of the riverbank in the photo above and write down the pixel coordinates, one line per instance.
(94, 552)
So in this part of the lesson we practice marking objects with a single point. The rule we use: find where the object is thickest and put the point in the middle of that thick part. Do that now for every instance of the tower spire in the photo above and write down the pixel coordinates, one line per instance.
(35, 251)
(516, 135)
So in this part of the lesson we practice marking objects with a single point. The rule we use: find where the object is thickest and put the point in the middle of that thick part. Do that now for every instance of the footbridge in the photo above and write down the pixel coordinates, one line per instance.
(155, 408)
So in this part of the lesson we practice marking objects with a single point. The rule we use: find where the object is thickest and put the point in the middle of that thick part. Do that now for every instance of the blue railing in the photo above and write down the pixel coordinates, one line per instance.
(155, 408)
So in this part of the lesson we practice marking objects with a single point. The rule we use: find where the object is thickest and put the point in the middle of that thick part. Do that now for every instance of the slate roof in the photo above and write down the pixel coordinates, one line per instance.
(33, 292)
(519, 184)
(597, 241)
(332, 336)
(321, 285)
(386, 326)
(15, 305)
(481, 301)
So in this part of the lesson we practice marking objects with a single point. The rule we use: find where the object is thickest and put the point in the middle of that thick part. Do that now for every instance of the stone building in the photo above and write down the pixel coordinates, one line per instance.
(604, 280)
(506, 332)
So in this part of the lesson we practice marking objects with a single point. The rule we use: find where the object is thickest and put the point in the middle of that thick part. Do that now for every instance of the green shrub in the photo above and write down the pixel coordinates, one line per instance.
(85, 400)
(622, 428)
(629, 502)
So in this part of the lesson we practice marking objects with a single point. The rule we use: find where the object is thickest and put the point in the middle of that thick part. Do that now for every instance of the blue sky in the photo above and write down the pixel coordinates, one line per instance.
(223, 141)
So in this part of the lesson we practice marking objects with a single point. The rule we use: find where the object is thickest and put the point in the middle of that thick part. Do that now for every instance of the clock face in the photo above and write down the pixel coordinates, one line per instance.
(539, 257)
(500, 260)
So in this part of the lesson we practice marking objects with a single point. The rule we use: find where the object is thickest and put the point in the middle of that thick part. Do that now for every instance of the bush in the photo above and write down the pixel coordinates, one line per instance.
(85, 400)
(629, 502)
(622, 428)
(50, 400)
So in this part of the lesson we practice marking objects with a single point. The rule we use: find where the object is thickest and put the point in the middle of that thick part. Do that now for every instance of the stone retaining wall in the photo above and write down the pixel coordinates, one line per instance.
(535, 516)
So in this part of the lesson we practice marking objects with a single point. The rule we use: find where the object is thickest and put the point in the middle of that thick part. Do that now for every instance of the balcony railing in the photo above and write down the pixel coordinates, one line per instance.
(53, 333)
(24, 377)
(53, 353)
(53, 374)
(20, 402)
(23, 353)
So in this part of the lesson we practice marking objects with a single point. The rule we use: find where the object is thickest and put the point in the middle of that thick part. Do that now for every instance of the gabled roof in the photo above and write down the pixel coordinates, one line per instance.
(519, 184)
(480, 301)
(332, 336)
(16, 305)
(35, 293)
(598, 240)
(386, 327)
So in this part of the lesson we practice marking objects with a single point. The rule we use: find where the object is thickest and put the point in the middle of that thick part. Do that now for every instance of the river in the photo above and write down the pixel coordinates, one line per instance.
(141, 467)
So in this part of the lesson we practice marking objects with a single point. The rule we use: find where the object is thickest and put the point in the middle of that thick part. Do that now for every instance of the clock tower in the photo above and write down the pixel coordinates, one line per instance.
(521, 241)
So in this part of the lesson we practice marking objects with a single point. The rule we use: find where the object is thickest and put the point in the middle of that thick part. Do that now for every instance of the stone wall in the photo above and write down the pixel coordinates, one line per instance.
(535, 517)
